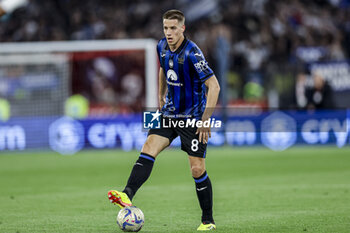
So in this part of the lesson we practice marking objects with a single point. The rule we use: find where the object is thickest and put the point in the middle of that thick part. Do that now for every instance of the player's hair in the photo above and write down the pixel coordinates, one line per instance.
(175, 14)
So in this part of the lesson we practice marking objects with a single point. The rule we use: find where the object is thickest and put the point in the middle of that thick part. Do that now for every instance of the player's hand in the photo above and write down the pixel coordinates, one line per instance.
(204, 134)
(161, 103)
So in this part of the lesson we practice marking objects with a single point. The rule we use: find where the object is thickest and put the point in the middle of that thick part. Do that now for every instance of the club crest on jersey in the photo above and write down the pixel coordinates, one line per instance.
(171, 63)
(171, 74)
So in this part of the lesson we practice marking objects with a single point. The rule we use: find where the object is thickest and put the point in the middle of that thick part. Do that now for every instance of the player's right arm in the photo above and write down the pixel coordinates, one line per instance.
(162, 88)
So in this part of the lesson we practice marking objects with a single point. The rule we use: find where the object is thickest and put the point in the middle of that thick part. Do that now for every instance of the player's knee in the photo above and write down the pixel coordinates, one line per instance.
(148, 149)
(197, 171)
(153, 146)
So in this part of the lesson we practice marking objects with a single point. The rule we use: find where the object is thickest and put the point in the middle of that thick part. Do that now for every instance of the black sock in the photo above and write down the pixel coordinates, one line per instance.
(205, 197)
(139, 174)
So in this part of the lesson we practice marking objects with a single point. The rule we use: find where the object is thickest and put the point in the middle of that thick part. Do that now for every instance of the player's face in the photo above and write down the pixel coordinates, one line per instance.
(173, 31)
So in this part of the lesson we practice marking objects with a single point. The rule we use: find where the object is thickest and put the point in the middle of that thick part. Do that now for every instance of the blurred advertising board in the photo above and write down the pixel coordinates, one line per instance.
(277, 130)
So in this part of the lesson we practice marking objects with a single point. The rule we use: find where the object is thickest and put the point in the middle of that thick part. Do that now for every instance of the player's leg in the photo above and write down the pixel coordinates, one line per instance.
(157, 141)
(197, 153)
(204, 192)
(143, 166)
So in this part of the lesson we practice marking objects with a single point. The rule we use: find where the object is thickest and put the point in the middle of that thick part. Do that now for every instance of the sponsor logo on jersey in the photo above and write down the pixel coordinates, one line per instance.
(201, 66)
(171, 75)
(171, 63)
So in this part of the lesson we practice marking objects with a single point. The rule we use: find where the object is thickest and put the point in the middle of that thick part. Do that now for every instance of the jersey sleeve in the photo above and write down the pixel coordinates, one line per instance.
(159, 51)
(200, 65)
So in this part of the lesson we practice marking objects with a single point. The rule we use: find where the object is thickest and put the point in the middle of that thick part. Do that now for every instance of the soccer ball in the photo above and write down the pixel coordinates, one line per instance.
(130, 219)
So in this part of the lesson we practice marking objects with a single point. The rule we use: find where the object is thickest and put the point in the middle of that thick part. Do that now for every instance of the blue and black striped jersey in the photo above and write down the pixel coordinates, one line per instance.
(185, 70)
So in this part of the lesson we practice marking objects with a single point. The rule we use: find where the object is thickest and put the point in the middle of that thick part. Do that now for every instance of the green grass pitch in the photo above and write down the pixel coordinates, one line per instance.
(305, 189)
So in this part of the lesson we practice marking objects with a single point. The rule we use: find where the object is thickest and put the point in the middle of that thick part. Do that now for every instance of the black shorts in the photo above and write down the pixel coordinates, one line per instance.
(189, 139)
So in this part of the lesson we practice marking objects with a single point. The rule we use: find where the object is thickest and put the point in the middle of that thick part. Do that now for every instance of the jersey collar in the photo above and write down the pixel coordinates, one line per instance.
(181, 46)
(178, 50)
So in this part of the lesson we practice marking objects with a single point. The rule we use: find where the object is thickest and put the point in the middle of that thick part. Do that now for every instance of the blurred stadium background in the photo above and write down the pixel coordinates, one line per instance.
(96, 62)
(75, 77)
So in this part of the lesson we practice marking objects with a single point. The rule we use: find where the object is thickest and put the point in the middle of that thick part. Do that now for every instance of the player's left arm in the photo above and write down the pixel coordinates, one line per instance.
(212, 98)
(162, 88)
